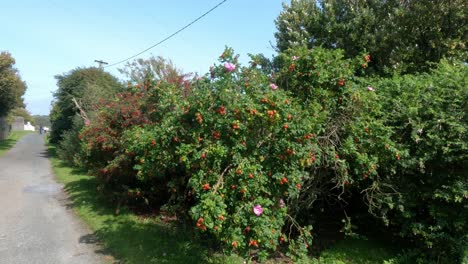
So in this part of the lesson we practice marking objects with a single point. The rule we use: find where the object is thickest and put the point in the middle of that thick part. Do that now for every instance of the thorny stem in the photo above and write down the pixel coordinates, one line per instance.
(220, 179)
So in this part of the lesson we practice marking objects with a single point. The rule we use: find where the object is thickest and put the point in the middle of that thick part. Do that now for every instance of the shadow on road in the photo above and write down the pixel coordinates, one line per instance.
(44, 154)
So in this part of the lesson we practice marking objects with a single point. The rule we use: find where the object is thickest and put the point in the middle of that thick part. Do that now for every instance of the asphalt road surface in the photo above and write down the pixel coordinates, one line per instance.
(36, 225)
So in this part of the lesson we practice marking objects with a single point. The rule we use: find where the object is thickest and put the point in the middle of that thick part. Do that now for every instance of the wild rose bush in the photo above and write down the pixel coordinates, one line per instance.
(242, 157)
(234, 152)
(358, 156)
(245, 153)
(242, 152)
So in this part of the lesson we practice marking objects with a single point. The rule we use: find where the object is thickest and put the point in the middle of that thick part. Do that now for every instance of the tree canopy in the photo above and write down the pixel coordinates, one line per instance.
(402, 36)
(154, 68)
(42, 120)
(22, 112)
(87, 86)
(12, 88)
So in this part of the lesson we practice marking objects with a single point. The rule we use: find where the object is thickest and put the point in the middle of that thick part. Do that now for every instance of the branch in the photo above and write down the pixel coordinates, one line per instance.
(220, 179)
(82, 112)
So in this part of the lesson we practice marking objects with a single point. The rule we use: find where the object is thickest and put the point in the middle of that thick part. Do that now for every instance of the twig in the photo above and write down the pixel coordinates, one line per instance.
(220, 179)
(263, 141)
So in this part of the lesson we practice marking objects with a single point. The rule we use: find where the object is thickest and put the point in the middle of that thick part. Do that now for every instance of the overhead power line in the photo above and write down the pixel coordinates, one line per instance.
(170, 36)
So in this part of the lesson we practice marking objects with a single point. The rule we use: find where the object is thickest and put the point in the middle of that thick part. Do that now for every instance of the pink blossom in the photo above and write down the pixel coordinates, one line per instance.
(87, 122)
(229, 66)
(281, 203)
(295, 58)
(258, 210)
(370, 88)
(273, 86)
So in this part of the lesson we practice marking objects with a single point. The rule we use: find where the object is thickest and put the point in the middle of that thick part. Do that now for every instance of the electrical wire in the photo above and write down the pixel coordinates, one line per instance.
(170, 36)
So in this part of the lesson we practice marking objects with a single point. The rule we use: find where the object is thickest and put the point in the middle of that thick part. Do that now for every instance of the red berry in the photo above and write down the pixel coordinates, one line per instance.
(367, 58)
(341, 82)
(216, 135)
(284, 180)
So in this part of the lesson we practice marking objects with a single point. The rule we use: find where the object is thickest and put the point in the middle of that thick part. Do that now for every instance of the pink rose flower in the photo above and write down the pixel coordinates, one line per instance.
(281, 203)
(258, 210)
(273, 86)
(229, 66)
(370, 88)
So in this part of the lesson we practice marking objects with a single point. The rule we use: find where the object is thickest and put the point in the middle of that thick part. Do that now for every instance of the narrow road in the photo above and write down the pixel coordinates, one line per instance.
(35, 224)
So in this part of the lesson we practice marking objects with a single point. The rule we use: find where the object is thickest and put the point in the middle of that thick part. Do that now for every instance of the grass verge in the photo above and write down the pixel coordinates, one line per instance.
(129, 238)
(133, 239)
(8, 143)
(359, 251)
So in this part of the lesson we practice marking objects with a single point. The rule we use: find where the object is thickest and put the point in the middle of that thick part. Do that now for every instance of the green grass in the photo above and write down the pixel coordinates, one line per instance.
(8, 143)
(133, 239)
(127, 237)
(358, 251)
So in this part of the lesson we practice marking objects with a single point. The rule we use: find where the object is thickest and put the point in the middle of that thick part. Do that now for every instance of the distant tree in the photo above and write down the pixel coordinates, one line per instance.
(22, 113)
(400, 35)
(42, 120)
(12, 88)
(87, 86)
(154, 68)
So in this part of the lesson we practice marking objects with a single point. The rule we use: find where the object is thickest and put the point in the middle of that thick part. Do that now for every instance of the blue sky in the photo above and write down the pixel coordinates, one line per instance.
(51, 37)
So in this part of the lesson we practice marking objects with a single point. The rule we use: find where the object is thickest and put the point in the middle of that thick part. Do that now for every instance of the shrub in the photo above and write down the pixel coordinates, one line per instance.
(69, 148)
(240, 142)
(357, 156)
(428, 115)
(102, 140)
(233, 152)
(245, 154)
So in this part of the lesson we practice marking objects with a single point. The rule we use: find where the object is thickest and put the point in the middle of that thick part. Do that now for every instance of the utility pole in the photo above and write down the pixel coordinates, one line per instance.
(100, 62)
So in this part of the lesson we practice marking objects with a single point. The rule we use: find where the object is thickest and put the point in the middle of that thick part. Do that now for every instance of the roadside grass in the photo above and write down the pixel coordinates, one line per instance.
(131, 239)
(8, 143)
(127, 237)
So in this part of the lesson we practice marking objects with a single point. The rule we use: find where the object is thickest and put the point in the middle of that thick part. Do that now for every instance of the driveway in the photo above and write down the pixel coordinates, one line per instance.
(35, 224)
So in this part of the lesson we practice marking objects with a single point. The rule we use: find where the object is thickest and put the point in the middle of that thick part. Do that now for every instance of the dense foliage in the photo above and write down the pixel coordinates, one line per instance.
(254, 157)
(402, 36)
(12, 88)
(428, 114)
(86, 86)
